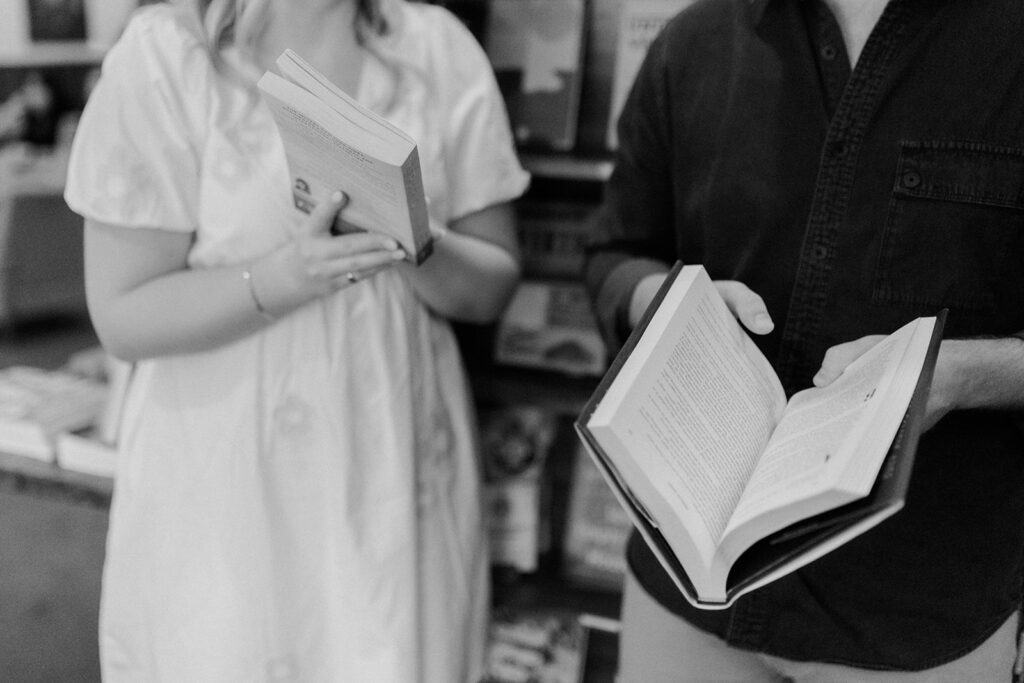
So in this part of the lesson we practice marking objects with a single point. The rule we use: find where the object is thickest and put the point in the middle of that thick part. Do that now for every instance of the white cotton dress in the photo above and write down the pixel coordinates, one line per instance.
(302, 504)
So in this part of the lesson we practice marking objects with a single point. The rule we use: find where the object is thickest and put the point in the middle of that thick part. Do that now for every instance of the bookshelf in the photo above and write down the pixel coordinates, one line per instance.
(45, 55)
(24, 475)
(567, 187)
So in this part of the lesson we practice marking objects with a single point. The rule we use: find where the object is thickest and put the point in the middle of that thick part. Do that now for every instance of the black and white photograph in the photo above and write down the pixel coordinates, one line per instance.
(511, 341)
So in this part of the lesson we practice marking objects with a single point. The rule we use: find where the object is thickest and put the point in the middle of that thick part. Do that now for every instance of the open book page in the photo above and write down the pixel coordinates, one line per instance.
(826, 432)
(697, 414)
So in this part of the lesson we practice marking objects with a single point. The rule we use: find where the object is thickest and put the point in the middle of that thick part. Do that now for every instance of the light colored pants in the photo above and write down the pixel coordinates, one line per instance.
(656, 646)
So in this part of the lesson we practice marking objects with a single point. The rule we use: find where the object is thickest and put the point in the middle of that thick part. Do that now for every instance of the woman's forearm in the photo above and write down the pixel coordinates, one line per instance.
(474, 268)
(466, 278)
(181, 312)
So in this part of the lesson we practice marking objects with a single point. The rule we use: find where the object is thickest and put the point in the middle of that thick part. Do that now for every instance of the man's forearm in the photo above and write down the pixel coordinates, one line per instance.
(981, 373)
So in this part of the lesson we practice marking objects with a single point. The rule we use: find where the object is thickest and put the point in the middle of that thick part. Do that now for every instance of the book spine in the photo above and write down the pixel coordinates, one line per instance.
(419, 221)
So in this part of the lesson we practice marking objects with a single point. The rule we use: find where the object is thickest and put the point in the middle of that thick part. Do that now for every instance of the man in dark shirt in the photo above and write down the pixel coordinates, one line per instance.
(842, 167)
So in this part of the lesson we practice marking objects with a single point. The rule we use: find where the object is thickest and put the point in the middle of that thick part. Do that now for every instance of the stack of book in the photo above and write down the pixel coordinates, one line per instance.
(94, 450)
(535, 645)
(550, 325)
(37, 405)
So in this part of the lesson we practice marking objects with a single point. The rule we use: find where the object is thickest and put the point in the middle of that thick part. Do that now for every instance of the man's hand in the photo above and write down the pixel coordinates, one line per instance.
(747, 306)
(940, 398)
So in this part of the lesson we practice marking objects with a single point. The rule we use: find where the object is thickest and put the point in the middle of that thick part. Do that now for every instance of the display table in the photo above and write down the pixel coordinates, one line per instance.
(25, 475)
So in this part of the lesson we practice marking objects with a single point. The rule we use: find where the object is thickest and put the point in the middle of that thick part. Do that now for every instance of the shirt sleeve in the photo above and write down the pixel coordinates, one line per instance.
(479, 153)
(134, 160)
(632, 234)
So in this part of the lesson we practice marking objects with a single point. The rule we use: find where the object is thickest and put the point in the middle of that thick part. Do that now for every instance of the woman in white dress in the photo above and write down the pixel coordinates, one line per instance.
(297, 490)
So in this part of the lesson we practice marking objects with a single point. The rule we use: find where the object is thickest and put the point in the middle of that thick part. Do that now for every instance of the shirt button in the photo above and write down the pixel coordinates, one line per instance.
(820, 253)
(828, 53)
(911, 179)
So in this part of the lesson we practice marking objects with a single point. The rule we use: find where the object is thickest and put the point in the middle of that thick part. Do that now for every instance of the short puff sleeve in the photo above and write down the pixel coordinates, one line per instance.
(135, 158)
(479, 152)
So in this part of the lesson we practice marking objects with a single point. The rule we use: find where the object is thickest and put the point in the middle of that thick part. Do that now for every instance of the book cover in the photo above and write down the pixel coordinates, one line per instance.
(333, 142)
(536, 49)
(515, 441)
(731, 484)
(596, 529)
(535, 645)
(640, 21)
(550, 325)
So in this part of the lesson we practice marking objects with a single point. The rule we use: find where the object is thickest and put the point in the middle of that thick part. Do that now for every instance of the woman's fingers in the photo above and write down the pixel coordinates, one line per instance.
(349, 270)
(336, 261)
(322, 217)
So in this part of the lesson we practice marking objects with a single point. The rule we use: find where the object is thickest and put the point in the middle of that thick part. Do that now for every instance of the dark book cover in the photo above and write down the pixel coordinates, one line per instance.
(56, 20)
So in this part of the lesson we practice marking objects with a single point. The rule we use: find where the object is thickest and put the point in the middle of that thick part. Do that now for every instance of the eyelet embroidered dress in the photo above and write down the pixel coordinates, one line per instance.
(302, 504)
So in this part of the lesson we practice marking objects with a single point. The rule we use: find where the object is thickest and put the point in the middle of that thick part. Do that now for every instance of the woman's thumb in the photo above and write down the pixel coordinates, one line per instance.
(323, 216)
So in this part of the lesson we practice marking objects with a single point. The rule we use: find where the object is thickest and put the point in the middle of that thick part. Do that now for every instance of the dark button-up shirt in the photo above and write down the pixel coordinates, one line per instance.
(852, 201)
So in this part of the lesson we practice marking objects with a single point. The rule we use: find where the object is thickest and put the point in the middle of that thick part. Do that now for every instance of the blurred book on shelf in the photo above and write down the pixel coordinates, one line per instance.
(515, 442)
(535, 645)
(94, 450)
(550, 325)
(37, 404)
(87, 452)
(536, 48)
(552, 235)
(56, 20)
(640, 21)
(596, 529)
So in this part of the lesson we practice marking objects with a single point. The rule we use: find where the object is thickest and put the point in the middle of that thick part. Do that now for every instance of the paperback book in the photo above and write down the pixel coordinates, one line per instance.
(332, 142)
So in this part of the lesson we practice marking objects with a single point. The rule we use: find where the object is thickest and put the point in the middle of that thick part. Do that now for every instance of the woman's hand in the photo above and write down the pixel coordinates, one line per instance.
(316, 263)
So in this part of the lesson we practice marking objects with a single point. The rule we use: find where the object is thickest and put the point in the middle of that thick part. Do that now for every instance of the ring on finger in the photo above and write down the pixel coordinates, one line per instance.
(352, 277)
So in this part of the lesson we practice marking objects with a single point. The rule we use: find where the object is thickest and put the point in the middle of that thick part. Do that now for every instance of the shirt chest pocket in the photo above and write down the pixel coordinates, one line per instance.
(954, 231)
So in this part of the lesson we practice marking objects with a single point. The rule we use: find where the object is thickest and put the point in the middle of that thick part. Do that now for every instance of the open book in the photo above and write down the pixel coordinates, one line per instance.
(332, 142)
(730, 484)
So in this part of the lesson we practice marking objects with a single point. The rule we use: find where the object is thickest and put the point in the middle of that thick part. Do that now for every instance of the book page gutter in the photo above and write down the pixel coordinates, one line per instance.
(702, 418)
(813, 442)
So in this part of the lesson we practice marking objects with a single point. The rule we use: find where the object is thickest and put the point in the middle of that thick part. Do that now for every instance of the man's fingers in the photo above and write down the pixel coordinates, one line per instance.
(747, 306)
(839, 357)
